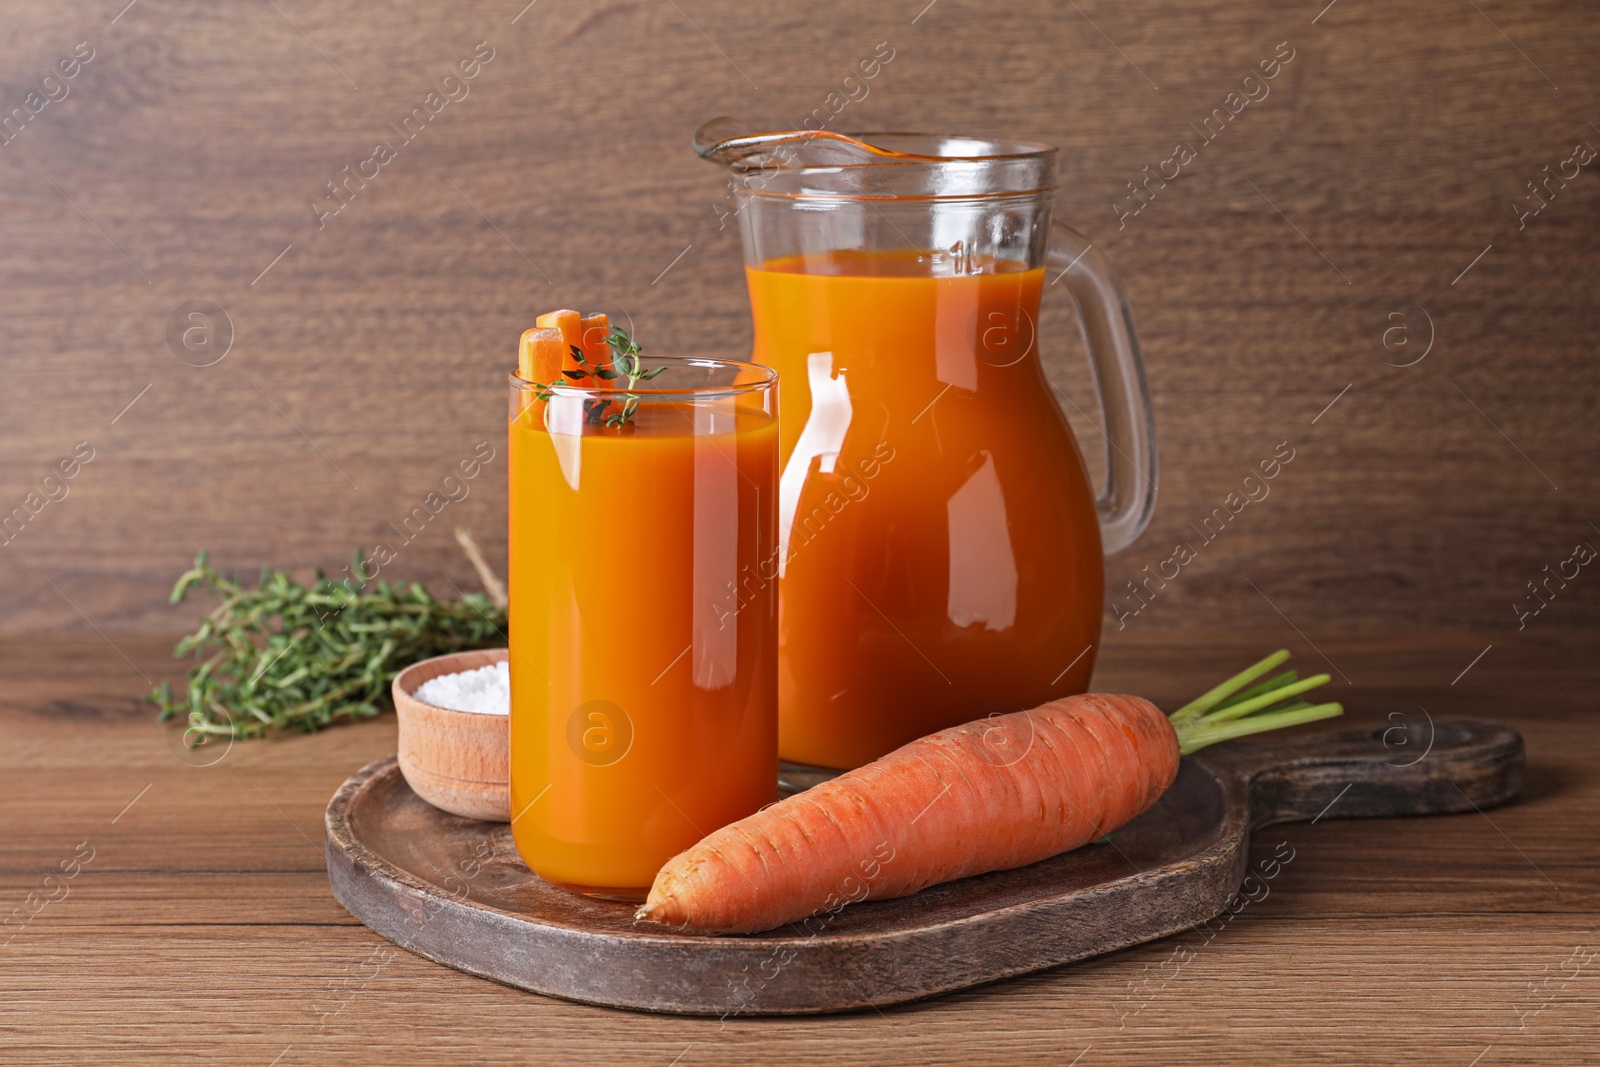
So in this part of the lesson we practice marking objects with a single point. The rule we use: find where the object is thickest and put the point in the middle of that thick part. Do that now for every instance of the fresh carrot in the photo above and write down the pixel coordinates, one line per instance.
(541, 355)
(985, 796)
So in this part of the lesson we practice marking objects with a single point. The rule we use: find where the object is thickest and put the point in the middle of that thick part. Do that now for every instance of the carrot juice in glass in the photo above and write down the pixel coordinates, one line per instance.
(642, 560)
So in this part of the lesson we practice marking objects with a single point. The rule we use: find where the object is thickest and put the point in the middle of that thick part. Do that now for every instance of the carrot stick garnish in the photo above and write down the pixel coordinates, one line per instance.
(570, 323)
(584, 352)
(541, 355)
(566, 320)
(989, 795)
(593, 330)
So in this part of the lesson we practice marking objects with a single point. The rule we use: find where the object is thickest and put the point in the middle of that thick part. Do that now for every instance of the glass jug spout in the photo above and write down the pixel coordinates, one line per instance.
(822, 163)
(742, 145)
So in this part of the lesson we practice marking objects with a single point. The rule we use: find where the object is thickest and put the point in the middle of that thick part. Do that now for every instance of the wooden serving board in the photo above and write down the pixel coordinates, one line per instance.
(455, 891)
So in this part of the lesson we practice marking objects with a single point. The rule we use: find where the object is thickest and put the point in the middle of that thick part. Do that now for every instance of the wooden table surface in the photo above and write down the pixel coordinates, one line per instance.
(199, 924)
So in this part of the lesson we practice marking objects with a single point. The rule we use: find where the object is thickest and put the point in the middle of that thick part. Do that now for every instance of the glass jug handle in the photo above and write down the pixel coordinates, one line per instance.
(1128, 498)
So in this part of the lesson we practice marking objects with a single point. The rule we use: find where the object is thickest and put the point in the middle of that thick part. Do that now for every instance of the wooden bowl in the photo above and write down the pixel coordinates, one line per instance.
(458, 761)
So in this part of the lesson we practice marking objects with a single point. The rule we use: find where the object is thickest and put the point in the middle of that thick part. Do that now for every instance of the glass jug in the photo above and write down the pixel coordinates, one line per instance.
(941, 549)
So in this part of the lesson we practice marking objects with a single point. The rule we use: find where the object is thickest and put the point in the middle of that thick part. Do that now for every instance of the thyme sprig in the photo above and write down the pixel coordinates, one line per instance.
(288, 655)
(626, 359)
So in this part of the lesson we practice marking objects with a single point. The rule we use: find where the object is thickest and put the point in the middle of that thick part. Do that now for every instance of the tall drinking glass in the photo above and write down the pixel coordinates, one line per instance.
(643, 566)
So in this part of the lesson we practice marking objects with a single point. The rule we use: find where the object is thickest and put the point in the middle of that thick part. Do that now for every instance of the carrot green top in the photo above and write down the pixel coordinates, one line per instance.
(1232, 710)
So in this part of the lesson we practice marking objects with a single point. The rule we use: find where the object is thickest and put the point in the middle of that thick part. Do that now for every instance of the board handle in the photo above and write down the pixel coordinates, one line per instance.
(1411, 765)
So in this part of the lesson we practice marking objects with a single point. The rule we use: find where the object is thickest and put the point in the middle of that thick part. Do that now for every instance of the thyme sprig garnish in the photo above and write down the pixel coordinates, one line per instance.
(626, 359)
(611, 408)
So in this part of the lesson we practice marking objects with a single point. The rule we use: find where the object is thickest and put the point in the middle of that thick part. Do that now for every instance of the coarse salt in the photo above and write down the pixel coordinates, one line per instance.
(486, 690)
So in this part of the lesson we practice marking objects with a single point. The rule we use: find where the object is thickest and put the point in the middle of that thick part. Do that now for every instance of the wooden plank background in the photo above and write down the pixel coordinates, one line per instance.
(1373, 189)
